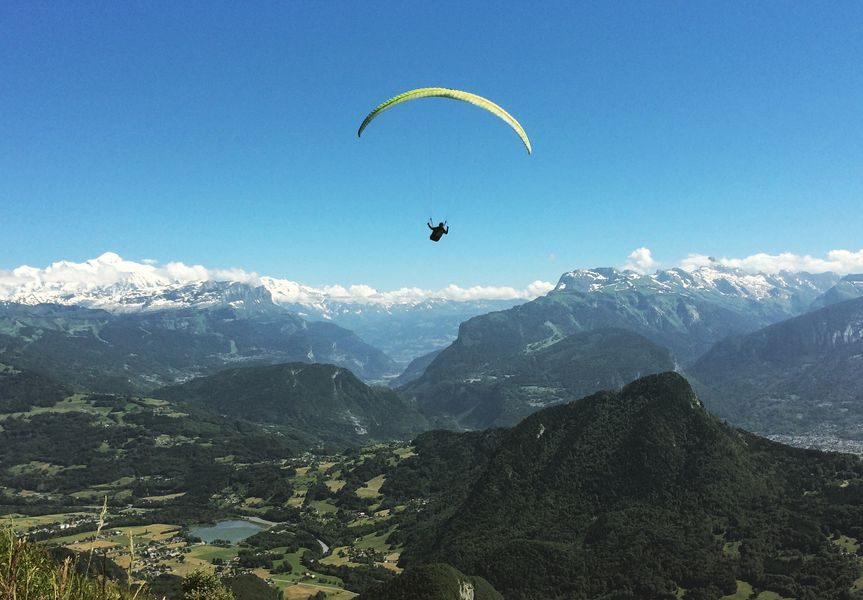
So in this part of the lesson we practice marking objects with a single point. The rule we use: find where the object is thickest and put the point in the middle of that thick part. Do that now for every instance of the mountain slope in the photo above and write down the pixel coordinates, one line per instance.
(636, 494)
(433, 582)
(791, 376)
(686, 312)
(512, 387)
(21, 391)
(415, 369)
(404, 330)
(54, 445)
(136, 352)
(319, 399)
(850, 287)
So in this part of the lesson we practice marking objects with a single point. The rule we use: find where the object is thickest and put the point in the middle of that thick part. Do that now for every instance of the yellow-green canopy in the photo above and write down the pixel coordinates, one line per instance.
(438, 92)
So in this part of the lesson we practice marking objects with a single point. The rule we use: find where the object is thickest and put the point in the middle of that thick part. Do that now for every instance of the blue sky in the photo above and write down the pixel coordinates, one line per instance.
(225, 134)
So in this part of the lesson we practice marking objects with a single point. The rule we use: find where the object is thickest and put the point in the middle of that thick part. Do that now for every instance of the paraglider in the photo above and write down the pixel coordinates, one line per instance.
(439, 92)
(437, 231)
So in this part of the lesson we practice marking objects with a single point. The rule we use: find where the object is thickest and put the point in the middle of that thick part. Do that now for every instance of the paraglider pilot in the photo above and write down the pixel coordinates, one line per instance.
(437, 232)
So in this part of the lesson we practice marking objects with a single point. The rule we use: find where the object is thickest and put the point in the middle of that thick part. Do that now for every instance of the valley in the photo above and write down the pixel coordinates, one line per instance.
(536, 456)
(431, 301)
(344, 524)
(330, 500)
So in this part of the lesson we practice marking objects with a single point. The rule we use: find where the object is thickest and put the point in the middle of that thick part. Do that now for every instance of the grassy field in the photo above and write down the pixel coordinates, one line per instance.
(88, 546)
(164, 498)
(74, 403)
(771, 596)
(302, 582)
(340, 556)
(295, 590)
(744, 592)
(142, 534)
(372, 488)
(858, 583)
(297, 577)
(335, 485)
(376, 517)
(35, 467)
(336, 559)
(405, 452)
(323, 506)
(849, 544)
(22, 523)
(297, 499)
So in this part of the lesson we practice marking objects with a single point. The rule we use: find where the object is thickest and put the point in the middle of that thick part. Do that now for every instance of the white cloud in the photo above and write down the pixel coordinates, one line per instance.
(479, 292)
(107, 270)
(288, 292)
(837, 261)
(641, 261)
(66, 279)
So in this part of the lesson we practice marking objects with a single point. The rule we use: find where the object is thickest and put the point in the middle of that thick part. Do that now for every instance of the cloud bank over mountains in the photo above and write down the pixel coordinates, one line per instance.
(841, 262)
(110, 269)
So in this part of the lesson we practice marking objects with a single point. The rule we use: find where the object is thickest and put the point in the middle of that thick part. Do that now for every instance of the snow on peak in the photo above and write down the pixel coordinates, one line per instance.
(113, 283)
(713, 277)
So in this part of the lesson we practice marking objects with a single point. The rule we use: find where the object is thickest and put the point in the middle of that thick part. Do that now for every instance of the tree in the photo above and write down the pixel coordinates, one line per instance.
(201, 585)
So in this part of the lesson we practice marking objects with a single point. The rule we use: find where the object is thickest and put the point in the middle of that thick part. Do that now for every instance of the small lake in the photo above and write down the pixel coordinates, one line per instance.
(233, 531)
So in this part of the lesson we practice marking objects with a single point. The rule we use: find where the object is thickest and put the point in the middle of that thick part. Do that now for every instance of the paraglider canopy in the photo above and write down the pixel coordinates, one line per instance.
(439, 92)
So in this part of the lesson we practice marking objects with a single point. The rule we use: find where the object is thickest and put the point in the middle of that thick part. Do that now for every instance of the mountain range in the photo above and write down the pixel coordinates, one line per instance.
(404, 324)
(110, 325)
(135, 352)
(474, 379)
(849, 287)
(684, 311)
(511, 387)
(793, 376)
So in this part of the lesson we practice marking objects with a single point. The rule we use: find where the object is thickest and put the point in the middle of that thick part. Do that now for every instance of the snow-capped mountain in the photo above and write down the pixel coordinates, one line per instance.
(685, 311)
(714, 281)
(850, 287)
(116, 285)
(404, 323)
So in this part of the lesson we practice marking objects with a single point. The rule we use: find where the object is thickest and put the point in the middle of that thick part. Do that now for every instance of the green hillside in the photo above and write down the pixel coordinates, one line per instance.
(70, 449)
(97, 351)
(322, 400)
(793, 376)
(433, 582)
(508, 388)
(639, 493)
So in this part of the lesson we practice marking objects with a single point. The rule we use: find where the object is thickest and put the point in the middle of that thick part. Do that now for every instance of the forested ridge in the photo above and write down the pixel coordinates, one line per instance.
(634, 494)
